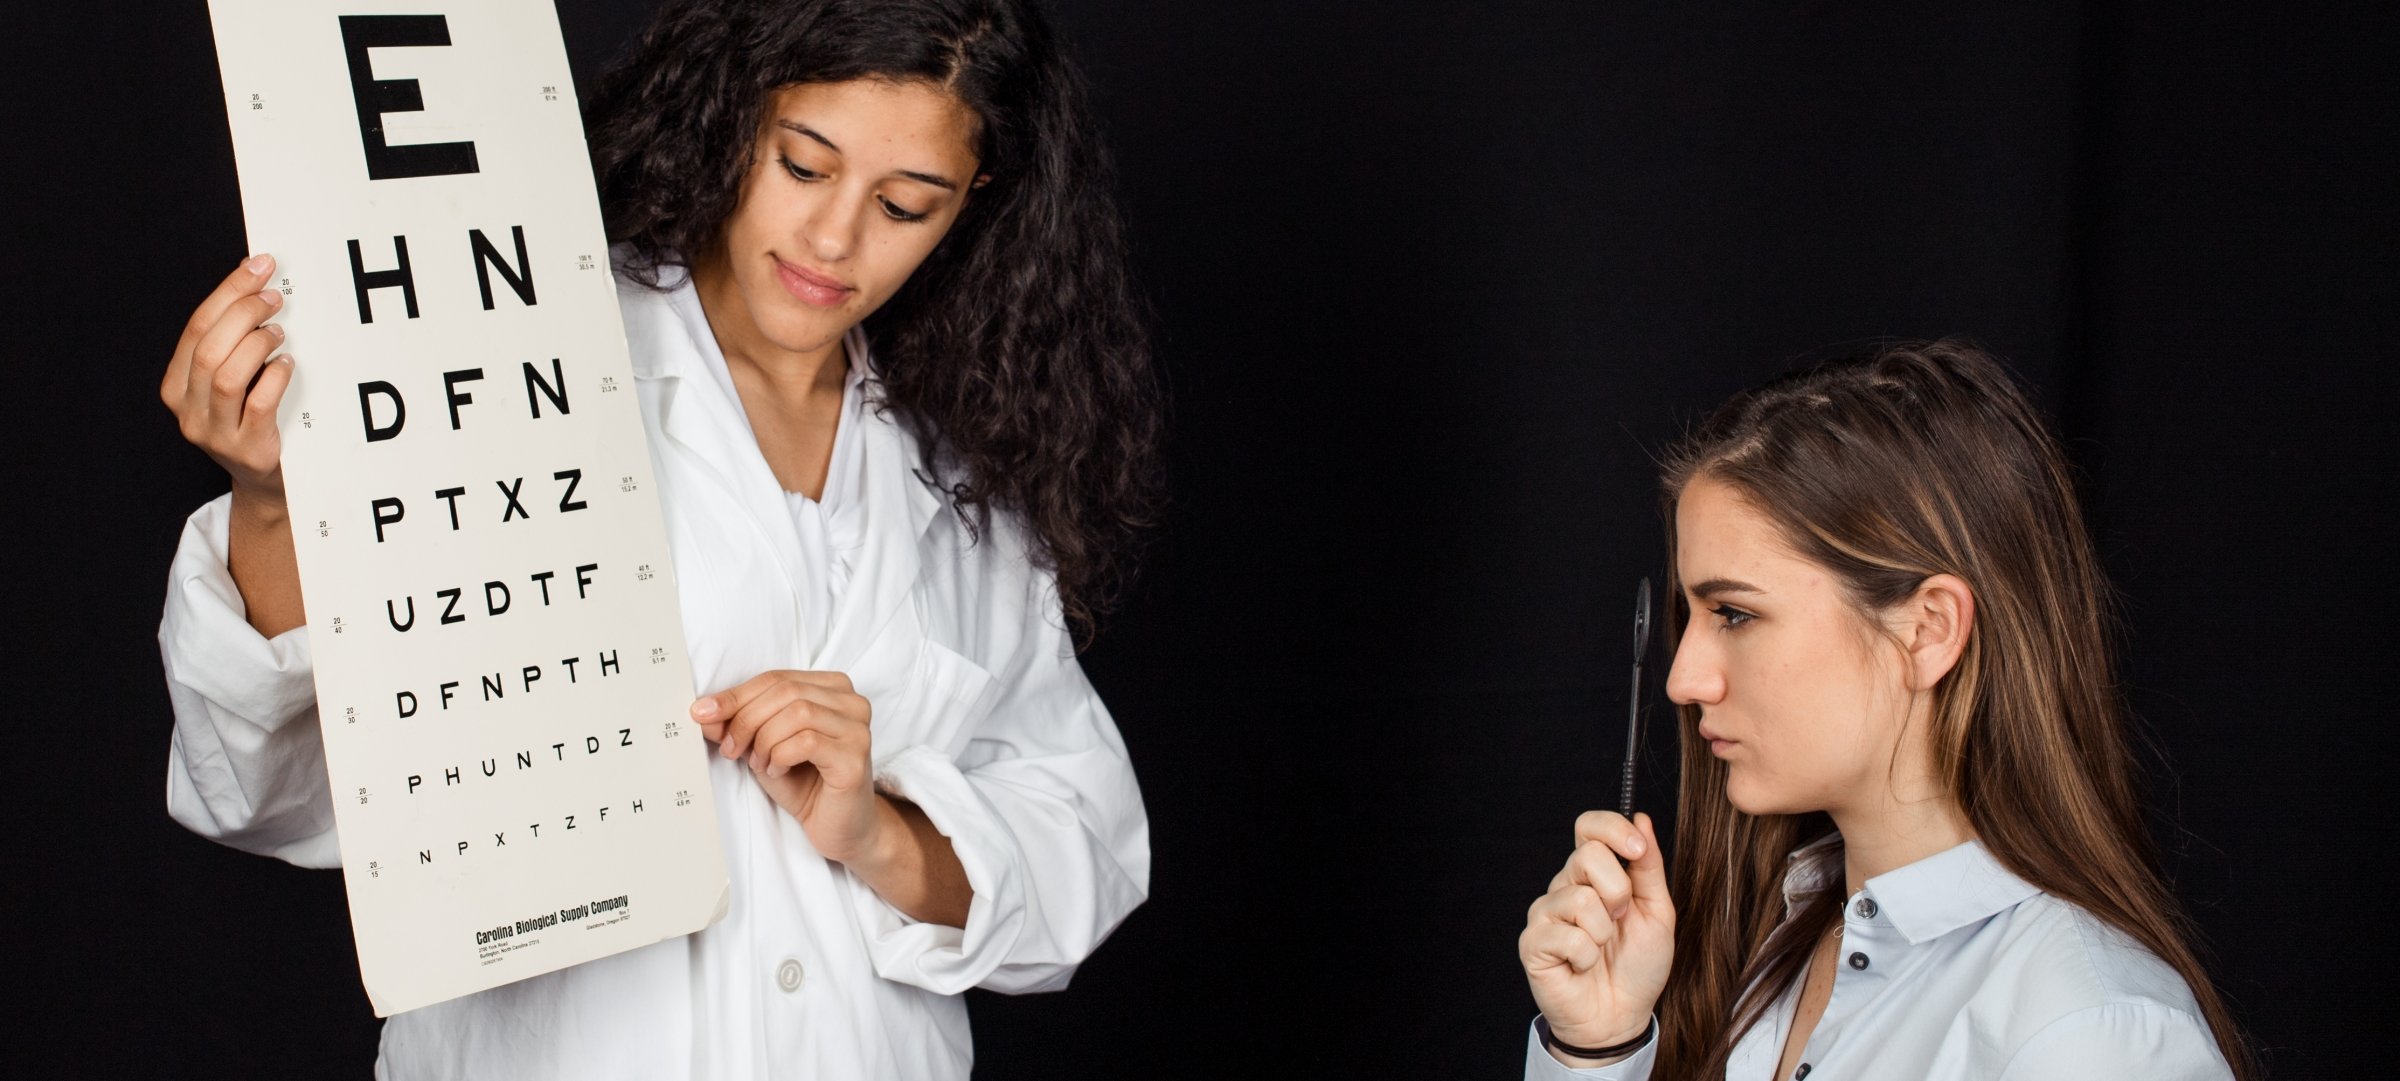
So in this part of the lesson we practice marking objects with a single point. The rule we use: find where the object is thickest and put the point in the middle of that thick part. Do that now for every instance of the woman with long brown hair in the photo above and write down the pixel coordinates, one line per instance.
(1908, 840)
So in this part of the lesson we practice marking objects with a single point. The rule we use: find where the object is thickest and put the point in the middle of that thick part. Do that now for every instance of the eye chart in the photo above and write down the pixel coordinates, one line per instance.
(500, 668)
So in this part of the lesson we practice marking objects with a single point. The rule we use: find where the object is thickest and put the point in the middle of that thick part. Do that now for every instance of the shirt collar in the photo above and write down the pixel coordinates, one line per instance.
(1923, 900)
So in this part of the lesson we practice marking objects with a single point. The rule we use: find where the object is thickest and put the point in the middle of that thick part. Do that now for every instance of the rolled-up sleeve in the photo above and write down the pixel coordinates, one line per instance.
(2121, 1039)
(246, 764)
(1045, 815)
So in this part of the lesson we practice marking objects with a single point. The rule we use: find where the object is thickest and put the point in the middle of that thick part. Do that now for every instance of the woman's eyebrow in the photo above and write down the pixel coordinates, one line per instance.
(928, 178)
(1715, 586)
(921, 178)
(803, 129)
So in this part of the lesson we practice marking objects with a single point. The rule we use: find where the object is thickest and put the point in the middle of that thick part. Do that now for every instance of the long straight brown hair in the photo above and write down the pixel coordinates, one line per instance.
(1888, 468)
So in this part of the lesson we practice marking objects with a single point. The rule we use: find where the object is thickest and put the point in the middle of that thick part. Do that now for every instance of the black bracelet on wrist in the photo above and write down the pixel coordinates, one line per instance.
(1541, 1026)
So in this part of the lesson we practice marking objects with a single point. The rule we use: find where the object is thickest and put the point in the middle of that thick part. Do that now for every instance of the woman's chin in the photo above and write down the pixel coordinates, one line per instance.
(1750, 797)
(806, 332)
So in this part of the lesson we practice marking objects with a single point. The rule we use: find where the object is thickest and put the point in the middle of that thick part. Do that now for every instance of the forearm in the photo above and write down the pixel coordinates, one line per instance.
(265, 567)
(913, 867)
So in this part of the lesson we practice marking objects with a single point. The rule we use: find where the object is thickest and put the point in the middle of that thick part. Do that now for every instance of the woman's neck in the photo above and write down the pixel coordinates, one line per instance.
(1902, 831)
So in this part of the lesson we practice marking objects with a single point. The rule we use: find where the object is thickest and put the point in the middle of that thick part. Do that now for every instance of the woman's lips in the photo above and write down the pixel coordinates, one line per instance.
(810, 287)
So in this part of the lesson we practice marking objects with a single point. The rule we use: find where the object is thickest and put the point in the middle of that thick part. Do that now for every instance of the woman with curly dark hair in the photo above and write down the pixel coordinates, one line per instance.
(906, 431)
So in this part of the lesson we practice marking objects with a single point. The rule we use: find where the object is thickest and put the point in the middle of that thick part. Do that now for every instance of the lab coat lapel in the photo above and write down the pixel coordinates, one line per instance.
(698, 419)
(898, 507)
(713, 441)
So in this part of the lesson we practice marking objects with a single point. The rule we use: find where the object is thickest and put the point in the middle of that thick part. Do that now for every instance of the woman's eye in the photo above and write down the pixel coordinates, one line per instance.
(897, 213)
(799, 173)
(1733, 617)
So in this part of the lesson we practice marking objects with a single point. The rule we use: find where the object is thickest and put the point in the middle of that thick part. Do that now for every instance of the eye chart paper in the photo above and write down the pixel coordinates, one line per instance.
(500, 667)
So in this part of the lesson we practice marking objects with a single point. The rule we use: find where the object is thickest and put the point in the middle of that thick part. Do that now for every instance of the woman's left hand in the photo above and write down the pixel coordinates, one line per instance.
(805, 734)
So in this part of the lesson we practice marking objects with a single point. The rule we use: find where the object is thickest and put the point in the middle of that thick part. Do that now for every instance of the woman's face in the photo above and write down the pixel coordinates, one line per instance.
(852, 185)
(1803, 702)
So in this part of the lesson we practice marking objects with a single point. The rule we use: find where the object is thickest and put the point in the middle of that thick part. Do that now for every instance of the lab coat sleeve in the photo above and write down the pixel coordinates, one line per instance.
(1044, 813)
(246, 764)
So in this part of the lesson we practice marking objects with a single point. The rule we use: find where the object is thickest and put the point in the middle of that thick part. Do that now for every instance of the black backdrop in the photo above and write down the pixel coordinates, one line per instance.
(1433, 284)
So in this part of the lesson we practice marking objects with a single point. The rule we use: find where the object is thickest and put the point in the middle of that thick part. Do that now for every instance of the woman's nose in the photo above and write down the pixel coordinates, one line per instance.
(832, 232)
(1696, 678)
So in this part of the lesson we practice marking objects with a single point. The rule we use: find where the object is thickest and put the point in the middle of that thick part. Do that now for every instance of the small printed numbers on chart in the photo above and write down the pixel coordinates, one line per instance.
(584, 262)
(626, 484)
(350, 716)
(308, 419)
(324, 528)
(257, 103)
(658, 654)
(683, 797)
(642, 573)
(374, 868)
(285, 286)
(549, 93)
(672, 730)
(362, 798)
(337, 624)
(608, 384)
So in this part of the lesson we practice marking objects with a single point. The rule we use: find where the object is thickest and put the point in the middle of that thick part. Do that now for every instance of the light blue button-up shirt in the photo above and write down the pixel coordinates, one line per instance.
(1953, 969)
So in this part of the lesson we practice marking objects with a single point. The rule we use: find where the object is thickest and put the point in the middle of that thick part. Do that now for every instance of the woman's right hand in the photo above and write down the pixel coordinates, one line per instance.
(1598, 946)
(223, 389)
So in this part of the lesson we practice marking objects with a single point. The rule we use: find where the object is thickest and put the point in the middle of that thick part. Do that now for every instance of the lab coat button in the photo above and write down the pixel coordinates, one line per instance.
(787, 975)
(1801, 1074)
(1866, 908)
(1858, 960)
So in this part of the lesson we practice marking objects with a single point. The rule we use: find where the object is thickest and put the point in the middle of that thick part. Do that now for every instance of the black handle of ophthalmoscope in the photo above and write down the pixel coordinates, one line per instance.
(1633, 703)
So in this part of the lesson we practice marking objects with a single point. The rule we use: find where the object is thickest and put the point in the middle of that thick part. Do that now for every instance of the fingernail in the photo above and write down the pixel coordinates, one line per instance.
(258, 264)
(1634, 846)
(275, 329)
(273, 298)
(728, 749)
(704, 708)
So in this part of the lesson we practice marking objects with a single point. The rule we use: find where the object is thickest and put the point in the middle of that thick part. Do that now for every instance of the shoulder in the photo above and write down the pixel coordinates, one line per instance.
(2086, 1000)
(981, 569)
(656, 332)
(994, 541)
(2072, 958)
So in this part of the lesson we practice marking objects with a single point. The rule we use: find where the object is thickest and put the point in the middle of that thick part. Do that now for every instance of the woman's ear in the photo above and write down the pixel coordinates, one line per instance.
(1937, 620)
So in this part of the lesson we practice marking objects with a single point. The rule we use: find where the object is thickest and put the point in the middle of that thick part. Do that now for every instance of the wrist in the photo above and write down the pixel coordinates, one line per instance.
(886, 842)
(260, 509)
(1578, 1048)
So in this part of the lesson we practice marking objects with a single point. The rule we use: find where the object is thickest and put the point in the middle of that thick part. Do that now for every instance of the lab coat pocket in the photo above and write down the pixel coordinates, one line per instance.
(945, 697)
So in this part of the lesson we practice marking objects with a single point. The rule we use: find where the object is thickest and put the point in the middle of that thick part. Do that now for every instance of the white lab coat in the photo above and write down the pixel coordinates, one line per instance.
(981, 716)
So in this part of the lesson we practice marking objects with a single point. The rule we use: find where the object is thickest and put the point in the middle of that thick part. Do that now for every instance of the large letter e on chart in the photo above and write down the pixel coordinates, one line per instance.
(376, 97)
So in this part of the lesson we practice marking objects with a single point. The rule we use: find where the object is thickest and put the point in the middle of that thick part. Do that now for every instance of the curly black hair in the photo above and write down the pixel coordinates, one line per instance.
(1018, 351)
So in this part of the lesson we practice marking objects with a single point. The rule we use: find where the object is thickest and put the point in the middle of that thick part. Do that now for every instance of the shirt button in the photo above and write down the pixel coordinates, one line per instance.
(1858, 960)
(1866, 908)
(1801, 1073)
(787, 975)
